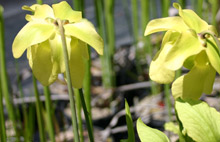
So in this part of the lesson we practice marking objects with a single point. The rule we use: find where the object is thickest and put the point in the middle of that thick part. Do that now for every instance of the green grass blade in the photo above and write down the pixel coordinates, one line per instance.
(129, 121)
(49, 113)
(39, 111)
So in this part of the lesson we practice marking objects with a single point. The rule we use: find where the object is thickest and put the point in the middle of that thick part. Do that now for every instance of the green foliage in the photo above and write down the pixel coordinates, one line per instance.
(148, 134)
(200, 122)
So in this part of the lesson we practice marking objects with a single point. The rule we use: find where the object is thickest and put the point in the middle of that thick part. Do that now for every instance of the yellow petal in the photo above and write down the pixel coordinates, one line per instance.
(199, 80)
(42, 64)
(63, 11)
(32, 33)
(85, 31)
(84, 49)
(213, 54)
(191, 19)
(76, 63)
(158, 72)
(165, 24)
(187, 45)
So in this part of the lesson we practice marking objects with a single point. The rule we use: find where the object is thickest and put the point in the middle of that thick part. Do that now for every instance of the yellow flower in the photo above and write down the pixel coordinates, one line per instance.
(187, 44)
(41, 37)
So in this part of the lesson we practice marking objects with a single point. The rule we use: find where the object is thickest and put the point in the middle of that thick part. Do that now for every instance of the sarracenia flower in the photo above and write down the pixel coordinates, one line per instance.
(189, 42)
(41, 37)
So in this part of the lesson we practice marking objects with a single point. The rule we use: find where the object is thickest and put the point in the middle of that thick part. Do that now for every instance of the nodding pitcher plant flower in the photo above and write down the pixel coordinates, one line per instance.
(42, 39)
(190, 42)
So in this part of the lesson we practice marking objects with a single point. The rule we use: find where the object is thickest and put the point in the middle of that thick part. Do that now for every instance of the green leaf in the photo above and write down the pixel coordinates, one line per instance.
(201, 122)
(147, 134)
(85, 31)
(165, 24)
(200, 79)
(187, 45)
(64, 11)
(192, 19)
(32, 33)
(131, 136)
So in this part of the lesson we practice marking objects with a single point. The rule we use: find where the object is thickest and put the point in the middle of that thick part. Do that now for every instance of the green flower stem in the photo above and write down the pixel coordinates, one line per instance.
(87, 116)
(199, 7)
(2, 119)
(49, 113)
(215, 7)
(168, 101)
(79, 116)
(110, 50)
(69, 83)
(4, 77)
(182, 3)
(24, 106)
(39, 1)
(39, 110)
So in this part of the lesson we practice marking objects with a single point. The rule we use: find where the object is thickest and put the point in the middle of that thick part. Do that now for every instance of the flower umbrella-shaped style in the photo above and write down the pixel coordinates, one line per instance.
(187, 43)
(42, 39)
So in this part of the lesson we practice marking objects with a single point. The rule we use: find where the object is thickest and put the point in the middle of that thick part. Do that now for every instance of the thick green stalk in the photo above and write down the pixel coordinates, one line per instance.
(86, 114)
(105, 59)
(110, 50)
(199, 5)
(2, 119)
(30, 127)
(49, 113)
(182, 3)
(215, 7)
(4, 78)
(39, 1)
(39, 111)
(79, 114)
(165, 7)
(69, 83)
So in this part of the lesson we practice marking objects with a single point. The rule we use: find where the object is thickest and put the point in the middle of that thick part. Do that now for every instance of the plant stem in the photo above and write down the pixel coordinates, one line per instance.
(69, 83)
(2, 119)
(49, 113)
(87, 116)
(4, 78)
(39, 110)
(79, 116)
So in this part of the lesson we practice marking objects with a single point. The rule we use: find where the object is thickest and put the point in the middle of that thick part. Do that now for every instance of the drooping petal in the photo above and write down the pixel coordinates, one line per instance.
(42, 65)
(84, 49)
(213, 54)
(76, 63)
(57, 54)
(187, 45)
(32, 33)
(165, 24)
(63, 11)
(200, 79)
(158, 72)
(191, 19)
(85, 31)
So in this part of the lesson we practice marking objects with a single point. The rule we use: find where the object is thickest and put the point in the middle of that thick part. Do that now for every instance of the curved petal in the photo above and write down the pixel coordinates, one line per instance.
(158, 72)
(77, 66)
(165, 24)
(85, 31)
(191, 19)
(63, 11)
(42, 64)
(32, 33)
(84, 49)
(187, 45)
(200, 79)
(213, 55)
(57, 54)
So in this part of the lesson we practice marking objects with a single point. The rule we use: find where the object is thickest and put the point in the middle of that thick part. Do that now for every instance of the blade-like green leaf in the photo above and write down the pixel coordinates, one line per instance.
(85, 31)
(131, 137)
(147, 134)
(201, 122)
(32, 33)
(165, 24)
